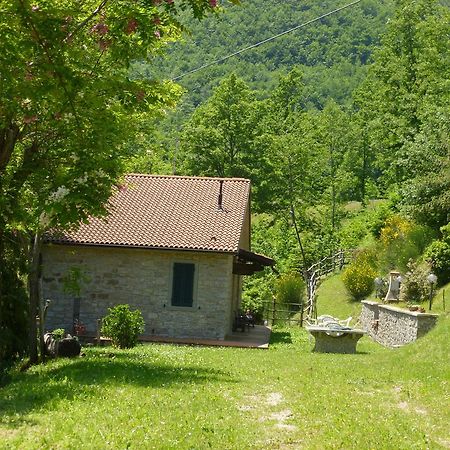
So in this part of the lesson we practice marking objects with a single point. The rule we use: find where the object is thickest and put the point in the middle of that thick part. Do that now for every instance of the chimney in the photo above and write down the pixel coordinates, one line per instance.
(219, 200)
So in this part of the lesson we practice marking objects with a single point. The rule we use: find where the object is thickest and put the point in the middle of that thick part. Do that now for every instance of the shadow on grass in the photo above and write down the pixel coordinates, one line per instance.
(82, 377)
(280, 337)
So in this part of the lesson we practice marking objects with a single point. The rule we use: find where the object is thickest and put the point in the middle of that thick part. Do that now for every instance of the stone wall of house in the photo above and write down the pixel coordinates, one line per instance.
(392, 326)
(143, 279)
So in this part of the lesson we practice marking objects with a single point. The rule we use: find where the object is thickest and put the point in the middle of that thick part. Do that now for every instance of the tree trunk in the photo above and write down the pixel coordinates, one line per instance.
(8, 139)
(34, 305)
(364, 169)
(42, 310)
(2, 266)
(2, 247)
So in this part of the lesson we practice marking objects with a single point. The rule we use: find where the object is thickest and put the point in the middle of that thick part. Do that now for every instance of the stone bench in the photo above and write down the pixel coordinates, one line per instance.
(335, 340)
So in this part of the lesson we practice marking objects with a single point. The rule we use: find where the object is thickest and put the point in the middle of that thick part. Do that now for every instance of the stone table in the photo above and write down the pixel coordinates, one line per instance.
(334, 340)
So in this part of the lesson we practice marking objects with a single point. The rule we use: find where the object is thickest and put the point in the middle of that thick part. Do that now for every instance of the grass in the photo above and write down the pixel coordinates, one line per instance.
(355, 207)
(175, 397)
(333, 299)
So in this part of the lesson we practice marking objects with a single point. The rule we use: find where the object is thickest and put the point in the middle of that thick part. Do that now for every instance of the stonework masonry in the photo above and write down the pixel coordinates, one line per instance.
(392, 326)
(143, 279)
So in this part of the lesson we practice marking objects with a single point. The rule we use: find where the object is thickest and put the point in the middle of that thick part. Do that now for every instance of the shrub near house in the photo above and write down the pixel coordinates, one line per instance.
(123, 326)
(438, 254)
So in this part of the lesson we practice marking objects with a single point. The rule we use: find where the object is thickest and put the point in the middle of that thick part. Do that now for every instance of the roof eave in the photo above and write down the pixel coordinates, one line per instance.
(143, 247)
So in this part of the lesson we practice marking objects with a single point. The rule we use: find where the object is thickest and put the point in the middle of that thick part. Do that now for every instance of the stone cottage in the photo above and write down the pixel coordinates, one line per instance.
(174, 247)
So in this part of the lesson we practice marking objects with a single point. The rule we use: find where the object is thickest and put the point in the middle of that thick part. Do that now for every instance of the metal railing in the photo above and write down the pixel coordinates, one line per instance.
(288, 313)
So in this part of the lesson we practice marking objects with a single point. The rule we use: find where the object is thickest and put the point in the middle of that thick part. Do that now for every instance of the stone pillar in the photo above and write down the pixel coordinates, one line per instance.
(369, 318)
(394, 287)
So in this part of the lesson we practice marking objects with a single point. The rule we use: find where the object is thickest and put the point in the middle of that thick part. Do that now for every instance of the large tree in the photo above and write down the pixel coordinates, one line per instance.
(335, 138)
(68, 107)
(220, 138)
(407, 90)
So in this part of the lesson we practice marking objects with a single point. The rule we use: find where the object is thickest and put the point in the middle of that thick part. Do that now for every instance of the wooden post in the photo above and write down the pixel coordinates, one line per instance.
(273, 310)
(99, 326)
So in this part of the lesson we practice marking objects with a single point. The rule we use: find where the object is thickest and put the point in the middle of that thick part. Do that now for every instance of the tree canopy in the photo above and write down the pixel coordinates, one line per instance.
(69, 106)
(332, 53)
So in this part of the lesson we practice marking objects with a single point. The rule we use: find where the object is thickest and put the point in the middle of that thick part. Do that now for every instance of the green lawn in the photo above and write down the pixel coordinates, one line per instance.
(174, 397)
(333, 299)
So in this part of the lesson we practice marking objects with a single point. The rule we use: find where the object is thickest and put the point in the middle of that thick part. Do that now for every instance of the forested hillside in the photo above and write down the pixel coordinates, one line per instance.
(332, 52)
(379, 137)
(333, 55)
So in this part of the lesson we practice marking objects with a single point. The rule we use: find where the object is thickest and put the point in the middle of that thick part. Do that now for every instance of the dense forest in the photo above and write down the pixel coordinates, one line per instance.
(333, 52)
(342, 127)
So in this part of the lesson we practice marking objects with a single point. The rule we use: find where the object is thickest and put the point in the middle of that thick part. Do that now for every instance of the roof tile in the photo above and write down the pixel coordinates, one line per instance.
(173, 212)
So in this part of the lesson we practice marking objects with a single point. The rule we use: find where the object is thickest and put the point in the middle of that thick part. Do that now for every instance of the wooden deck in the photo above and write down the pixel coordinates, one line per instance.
(257, 337)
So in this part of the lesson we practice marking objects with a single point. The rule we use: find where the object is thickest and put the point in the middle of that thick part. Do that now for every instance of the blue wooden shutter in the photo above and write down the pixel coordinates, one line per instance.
(183, 284)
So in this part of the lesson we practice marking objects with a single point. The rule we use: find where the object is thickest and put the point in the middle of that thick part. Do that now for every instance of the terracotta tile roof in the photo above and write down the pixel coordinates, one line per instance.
(172, 212)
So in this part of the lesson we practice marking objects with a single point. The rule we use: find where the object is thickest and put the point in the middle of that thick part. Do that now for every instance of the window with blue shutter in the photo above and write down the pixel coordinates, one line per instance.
(183, 284)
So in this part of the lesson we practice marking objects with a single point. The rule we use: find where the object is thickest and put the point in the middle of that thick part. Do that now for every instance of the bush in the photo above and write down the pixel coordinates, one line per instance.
(257, 292)
(402, 240)
(5, 372)
(378, 219)
(438, 255)
(415, 287)
(359, 276)
(289, 288)
(123, 326)
(13, 315)
(59, 333)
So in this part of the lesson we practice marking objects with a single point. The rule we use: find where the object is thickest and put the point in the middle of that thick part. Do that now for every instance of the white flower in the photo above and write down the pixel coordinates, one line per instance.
(59, 194)
(82, 180)
(44, 220)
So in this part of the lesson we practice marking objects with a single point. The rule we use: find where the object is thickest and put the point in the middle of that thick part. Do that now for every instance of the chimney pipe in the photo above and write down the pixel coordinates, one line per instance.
(219, 201)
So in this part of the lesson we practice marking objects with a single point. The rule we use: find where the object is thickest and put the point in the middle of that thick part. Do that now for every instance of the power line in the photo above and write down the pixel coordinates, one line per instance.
(217, 61)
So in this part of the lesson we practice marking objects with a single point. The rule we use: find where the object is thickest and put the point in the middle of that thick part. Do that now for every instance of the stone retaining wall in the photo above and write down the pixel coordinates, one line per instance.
(392, 326)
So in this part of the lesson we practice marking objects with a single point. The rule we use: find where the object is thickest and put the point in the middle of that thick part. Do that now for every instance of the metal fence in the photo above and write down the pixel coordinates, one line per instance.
(285, 313)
